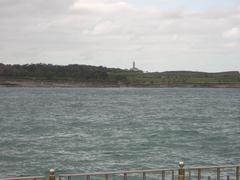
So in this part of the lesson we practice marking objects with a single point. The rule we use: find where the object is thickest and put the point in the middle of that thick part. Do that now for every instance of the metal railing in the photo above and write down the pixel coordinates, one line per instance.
(25, 178)
(120, 173)
(193, 173)
(180, 173)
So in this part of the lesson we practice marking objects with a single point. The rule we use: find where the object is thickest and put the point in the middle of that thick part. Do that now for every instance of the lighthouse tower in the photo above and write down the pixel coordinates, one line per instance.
(134, 67)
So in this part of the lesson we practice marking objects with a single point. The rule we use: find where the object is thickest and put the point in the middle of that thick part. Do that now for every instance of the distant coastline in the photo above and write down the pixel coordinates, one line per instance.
(47, 75)
(52, 84)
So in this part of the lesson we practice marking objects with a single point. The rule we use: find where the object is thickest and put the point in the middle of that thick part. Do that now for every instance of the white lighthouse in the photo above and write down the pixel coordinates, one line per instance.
(134, 67)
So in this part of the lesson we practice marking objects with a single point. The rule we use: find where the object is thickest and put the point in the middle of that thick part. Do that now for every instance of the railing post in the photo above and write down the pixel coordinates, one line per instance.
(190, 175)
(172, 174)
(52, 174)
(144, 176)
(106, 176)
(163, 175)
(199, 174)
(218, 173)
(181, 171)
(237, 173)
(125, 176)
(88, 177)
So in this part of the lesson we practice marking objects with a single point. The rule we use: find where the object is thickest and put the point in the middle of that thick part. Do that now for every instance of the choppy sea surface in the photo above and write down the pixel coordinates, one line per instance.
(100, 129)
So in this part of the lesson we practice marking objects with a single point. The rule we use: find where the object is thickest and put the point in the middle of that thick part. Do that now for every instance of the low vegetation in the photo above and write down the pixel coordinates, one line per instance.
(112, 76)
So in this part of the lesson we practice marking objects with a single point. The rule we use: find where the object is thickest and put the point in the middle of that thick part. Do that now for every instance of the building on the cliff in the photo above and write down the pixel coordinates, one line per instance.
(134, 67)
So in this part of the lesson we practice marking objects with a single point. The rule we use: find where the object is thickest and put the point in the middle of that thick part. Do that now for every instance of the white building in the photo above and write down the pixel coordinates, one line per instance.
(134, 67)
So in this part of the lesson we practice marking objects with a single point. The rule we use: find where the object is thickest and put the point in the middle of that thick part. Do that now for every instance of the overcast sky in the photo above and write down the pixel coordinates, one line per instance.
(160, 35)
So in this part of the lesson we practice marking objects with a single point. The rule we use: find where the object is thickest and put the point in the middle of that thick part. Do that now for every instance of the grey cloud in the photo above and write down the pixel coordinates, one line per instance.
(96, 6)
(53, 32)
(24, 8)
(218, 13)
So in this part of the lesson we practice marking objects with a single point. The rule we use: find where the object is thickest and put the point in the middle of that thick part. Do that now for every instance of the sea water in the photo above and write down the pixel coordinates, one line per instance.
(100, 129)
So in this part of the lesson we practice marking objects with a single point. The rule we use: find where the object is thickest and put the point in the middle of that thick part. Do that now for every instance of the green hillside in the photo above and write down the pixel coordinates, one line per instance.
(112, 76)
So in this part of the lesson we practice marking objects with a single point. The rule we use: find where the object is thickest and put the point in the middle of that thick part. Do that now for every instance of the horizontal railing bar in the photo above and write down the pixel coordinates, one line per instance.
(212, 167)
(21, 178)
(118, 172)
(147, 171)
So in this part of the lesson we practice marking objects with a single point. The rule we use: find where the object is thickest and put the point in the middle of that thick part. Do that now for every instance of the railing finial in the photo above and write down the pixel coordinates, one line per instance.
(181, 164)
(181, 171)
(51, 174)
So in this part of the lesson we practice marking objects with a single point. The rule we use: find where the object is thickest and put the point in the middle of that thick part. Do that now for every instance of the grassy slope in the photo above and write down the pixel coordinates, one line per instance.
(92, 75)
(135, 78)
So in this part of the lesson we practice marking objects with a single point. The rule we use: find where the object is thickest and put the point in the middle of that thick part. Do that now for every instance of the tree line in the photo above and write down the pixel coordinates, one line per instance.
(86, 73)
(52, 72)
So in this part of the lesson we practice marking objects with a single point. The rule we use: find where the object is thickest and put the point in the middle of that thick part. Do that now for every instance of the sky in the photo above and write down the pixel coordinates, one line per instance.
(159, 35)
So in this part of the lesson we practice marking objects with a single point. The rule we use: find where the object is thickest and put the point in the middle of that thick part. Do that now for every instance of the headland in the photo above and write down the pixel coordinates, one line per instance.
(47, 75)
